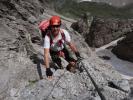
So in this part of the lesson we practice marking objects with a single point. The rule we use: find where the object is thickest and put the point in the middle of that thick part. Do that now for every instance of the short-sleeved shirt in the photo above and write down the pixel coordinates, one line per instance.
(54, 46)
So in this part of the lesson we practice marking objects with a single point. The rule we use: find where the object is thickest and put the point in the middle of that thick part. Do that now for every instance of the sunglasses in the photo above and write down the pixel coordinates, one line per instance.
(55, 26)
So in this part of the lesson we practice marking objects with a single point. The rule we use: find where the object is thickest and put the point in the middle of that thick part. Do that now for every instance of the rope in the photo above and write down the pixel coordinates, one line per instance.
(54, 86)
(93, 82)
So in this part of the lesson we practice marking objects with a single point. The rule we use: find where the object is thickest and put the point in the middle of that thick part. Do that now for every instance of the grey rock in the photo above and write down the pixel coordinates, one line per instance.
(32, 19)
(122, 85)
(20, 76)
(124, 48)
(102, 31)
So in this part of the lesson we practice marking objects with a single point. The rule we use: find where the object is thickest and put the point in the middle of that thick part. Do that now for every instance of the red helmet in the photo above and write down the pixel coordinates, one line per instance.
(55, 20)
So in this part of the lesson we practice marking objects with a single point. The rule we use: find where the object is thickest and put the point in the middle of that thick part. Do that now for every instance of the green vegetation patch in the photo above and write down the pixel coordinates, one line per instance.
(71, 8)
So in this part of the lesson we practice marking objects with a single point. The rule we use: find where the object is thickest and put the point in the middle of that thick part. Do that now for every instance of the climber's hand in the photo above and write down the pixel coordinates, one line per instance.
(49, 73)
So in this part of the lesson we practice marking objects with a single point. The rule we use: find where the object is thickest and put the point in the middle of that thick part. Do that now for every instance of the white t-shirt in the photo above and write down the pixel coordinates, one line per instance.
(54, 46)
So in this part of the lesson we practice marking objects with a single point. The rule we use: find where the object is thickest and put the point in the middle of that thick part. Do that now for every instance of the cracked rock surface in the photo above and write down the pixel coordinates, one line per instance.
(21, 61)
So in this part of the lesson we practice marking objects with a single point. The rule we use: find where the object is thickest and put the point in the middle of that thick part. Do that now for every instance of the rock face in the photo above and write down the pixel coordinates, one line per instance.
(20, 76)
(82, 25)
(102, 31)
(124, 48)
(22, 12)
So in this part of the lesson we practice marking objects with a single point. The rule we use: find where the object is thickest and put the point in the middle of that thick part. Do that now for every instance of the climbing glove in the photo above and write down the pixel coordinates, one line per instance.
(49, 72)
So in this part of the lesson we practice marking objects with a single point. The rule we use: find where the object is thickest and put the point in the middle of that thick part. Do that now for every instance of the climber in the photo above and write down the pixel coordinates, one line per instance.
(55, 42)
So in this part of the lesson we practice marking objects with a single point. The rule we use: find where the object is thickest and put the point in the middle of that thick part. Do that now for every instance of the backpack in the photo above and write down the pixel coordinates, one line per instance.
(44, 26)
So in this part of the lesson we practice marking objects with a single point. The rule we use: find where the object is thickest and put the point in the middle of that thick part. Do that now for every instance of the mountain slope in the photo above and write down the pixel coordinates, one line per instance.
(21, 62)
(95, 9)
(116, 3)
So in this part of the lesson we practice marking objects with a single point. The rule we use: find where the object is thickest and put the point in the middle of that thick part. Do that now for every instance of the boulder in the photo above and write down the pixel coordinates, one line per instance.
(102, 31)
(82, 25)
(124, 48)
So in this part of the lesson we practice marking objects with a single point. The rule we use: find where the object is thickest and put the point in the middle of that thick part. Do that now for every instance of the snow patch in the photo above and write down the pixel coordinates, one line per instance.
(122, 66)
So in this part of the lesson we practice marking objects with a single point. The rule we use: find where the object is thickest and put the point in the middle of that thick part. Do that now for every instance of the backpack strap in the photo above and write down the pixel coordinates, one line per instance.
(51, 37)
(62, 34)
(60, 42)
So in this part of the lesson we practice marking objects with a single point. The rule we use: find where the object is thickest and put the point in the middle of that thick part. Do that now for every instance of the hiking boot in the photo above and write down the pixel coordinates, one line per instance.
(61, 67)
(58, 67)
(71, 68)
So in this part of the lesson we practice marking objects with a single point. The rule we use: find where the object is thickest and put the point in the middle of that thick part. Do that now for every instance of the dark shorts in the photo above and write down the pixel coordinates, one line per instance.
(56, 59)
